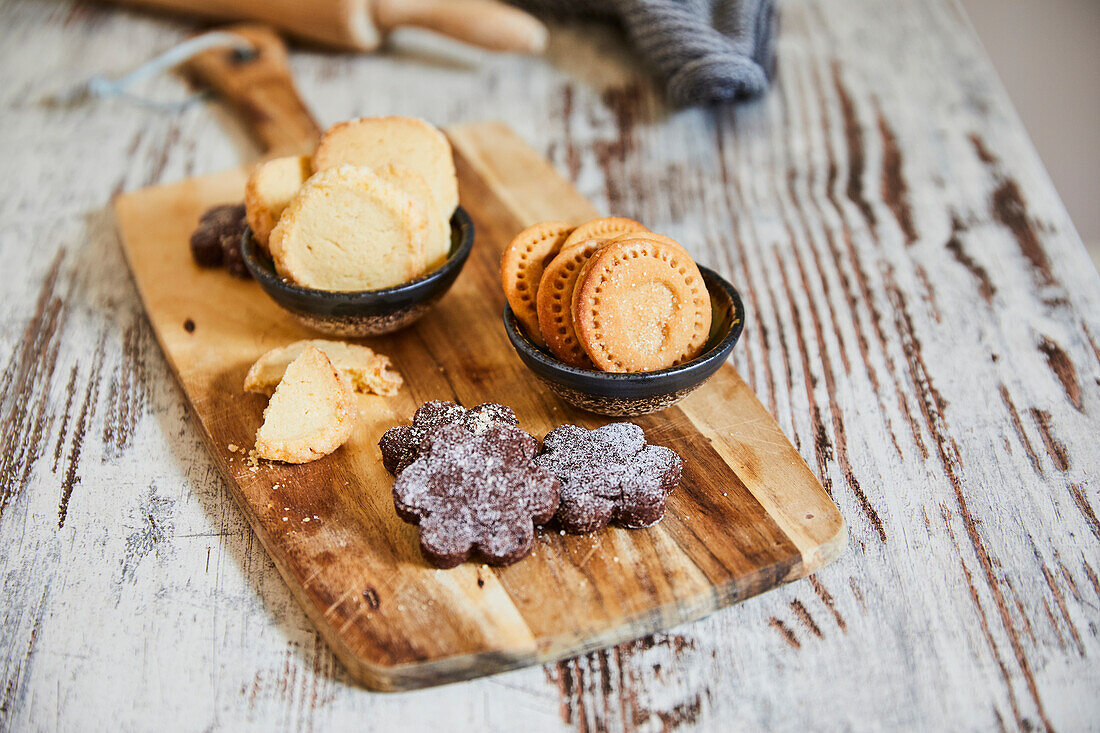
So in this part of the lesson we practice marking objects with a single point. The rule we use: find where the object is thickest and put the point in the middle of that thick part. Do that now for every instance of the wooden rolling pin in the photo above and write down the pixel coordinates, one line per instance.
(361, 25)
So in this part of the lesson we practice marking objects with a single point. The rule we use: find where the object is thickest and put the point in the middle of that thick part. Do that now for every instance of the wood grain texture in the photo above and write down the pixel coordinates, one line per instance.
(734, 528)
(154, 606)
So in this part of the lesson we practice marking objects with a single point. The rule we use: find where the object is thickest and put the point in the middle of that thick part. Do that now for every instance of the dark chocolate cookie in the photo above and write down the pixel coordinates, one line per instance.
(217, 239)
(400, 445)
(476, 493)
(232, 258)
(609, 475)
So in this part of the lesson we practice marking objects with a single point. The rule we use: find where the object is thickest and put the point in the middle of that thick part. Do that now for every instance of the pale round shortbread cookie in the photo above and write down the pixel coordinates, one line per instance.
(269, 190)
(606, 228)
(348, 229)
(554, 299)
(521, 267)
(640, 306)
(375, 142)
(311, 414)
(438, 244)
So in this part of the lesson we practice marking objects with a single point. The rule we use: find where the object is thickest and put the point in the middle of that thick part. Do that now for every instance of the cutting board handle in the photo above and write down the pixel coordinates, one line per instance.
(260, 90)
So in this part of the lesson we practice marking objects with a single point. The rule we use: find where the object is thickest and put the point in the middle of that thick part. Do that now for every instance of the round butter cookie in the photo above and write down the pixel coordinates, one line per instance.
(375, 142)
(348, 229)
(641, 306)
(605, 228)
(650, 236)
(554, 301)
(575, 295)
(521, 267)
(270, 188)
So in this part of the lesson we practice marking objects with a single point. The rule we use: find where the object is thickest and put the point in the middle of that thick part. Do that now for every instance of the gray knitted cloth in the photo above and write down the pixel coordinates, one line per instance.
(706, 51)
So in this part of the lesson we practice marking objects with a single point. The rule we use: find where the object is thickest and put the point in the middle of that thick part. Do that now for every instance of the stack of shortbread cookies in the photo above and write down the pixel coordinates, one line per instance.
(370, 209)
(608, 294)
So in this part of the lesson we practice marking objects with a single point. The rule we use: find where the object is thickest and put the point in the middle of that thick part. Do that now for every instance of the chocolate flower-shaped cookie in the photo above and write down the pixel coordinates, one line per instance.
(401, 445)
(609, 475)
(476, 493)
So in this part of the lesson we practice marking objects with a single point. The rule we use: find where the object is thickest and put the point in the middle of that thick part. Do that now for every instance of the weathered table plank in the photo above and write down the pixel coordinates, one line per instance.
(925, 326)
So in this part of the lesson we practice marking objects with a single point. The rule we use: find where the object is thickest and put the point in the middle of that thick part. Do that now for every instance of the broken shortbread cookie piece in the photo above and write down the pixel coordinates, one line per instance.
(364, 370)
(311, 414)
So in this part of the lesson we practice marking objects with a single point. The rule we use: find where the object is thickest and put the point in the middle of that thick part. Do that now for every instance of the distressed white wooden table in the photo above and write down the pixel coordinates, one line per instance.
(925, 325)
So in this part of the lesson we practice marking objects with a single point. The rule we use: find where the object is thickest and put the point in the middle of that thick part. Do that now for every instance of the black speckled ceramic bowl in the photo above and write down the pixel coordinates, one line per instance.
(368, 312)
(624, 395)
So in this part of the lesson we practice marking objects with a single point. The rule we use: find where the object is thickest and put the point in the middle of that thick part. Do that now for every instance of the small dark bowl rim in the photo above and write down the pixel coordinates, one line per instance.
(590, 379)
(400, 294)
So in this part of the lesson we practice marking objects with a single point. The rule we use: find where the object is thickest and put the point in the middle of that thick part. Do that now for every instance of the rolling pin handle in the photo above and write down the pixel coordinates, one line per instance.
(486, 23)
(257, 85)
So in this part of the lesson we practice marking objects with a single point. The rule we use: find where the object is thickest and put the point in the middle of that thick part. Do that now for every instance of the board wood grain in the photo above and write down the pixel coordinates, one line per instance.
(748, 516)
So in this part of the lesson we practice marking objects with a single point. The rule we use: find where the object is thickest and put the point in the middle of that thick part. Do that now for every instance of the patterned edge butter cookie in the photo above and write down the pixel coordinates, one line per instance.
(359, 366)
(400, 445)
(554, 299)
(476, 494)
(348, 229)
(608, 227)
(521, 267)
(311, 414)
(581, 275)
(649, 236)
(609, 475)
(270, 188)
(641, 306)
(376, 142)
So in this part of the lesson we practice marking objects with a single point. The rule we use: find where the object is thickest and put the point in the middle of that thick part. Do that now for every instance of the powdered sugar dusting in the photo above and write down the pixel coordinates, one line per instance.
(478, 492)
(401, 445)
(609, 474)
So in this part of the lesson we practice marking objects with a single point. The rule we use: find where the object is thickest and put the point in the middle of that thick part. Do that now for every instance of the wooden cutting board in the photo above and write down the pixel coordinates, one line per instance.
(748, 516)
